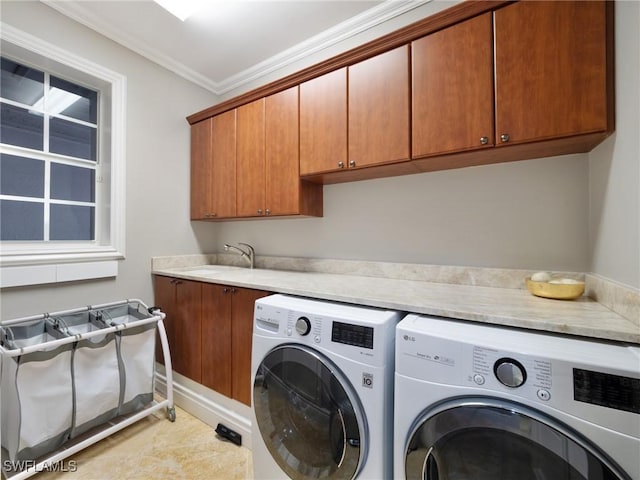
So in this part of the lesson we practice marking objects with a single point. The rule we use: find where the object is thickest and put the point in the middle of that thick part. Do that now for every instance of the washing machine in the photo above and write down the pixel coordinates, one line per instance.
(480, 402)
(322, 376)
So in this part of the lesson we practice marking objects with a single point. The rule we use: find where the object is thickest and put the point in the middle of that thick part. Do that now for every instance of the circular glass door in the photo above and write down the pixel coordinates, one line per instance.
(308, 415)
(498, 440)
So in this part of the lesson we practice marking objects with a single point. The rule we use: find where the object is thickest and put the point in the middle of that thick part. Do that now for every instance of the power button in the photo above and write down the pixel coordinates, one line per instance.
(478, 379)
(544, 395)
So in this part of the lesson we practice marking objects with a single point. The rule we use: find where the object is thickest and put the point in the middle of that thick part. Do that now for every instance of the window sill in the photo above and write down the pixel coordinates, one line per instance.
(58, 270)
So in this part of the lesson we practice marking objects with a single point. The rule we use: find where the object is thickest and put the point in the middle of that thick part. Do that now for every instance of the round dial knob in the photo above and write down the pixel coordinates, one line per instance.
(510, 372)
(303, 326)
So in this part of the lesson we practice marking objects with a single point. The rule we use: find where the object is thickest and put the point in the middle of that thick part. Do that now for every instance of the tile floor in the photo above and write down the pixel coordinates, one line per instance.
(156, 449)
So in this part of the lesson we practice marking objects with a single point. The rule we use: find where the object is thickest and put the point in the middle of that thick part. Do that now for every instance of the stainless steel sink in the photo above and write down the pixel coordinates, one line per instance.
(210, 270)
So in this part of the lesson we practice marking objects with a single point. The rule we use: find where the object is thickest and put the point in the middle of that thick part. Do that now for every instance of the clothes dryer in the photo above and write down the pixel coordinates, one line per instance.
(479, 402)
(322, 378)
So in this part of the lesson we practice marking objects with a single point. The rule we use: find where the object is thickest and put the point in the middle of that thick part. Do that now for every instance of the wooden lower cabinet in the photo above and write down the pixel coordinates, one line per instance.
(209, 328)
(243, 300)
(216, 338)
(180, 300)
(227, 328)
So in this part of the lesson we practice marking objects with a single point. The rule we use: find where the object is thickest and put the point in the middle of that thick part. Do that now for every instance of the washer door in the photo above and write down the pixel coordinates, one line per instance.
(488, 439)
(308, 415)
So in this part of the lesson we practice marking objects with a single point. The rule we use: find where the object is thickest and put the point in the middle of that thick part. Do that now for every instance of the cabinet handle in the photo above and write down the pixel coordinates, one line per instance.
(233, 290)
(259, 211)
(267, 211)
(225, 290)
(484, 140)
(352, 163)
(504, 137)
(340, 164)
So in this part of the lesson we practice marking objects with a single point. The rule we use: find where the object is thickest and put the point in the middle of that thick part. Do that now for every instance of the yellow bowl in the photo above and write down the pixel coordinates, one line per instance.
(559, 291)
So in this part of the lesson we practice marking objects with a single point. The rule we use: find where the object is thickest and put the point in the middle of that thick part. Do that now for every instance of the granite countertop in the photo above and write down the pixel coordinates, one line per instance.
(500, 306)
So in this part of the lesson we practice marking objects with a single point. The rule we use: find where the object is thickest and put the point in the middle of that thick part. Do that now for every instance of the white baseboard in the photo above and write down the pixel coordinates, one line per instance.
(207, 405)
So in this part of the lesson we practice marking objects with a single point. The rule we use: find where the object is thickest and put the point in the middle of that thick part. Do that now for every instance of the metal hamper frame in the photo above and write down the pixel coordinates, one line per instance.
(73, 446)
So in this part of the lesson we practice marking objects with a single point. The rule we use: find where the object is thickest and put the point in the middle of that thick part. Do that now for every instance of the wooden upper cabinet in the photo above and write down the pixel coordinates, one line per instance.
(452, 82)
(250, 160)
(282, 172)
(213, 167)
(550, 67)
(323, 123)
(449, 91)
(201, 169)
(379, 109)
(356, 116)
(223, 158)
(245, 162)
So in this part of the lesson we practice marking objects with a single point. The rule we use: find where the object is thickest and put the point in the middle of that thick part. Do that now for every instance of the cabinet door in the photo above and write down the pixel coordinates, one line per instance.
(282, 153)
(180, 300)
(201, 170)
(164, 292)
(250, 161)
(223, 193)
(379, 109)
(550, 70)
(452, 83)
(323, 123)
(216, 338)
(187, 359)
(241, 336)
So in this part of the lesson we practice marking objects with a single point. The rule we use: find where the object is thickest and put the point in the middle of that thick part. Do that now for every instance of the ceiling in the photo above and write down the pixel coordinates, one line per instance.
(230, 43)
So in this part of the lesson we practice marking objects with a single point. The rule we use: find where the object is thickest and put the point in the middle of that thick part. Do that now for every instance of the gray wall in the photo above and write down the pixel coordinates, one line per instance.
(614, 166)
(157, 149)
(528, 214)
(577, 212)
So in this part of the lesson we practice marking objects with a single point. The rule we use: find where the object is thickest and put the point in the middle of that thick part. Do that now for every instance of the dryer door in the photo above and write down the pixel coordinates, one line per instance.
(308, 415)
(487, 439)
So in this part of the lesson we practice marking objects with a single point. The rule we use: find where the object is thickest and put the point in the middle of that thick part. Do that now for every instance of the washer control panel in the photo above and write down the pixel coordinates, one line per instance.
(531, 376)
(364, 334)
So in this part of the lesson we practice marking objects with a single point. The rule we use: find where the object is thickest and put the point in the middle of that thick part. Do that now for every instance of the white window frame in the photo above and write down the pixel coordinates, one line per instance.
(30, 263)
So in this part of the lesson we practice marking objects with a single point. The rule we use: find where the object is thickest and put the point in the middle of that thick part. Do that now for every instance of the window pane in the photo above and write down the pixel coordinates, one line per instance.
(72, 183)
(21, 176)
(21, 127)
(72, 139)
(21, 220)
(72, 222)
(20, 83)
(72, 100)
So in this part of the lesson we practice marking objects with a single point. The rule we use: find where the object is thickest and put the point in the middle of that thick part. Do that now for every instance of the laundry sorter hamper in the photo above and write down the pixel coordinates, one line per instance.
(70, 379)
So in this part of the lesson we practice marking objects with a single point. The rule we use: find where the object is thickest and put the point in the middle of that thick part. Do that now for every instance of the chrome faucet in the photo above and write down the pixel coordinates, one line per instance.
(248, 254)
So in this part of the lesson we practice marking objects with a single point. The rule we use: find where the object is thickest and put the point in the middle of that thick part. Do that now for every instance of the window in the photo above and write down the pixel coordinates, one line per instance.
(61, 163)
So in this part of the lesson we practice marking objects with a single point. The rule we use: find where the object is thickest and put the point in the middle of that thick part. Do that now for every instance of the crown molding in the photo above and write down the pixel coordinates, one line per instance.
(341, 32)
(83, 16)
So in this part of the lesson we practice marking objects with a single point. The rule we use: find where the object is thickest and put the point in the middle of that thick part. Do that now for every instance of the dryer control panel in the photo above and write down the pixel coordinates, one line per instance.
(595, 380)
(493, 367)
